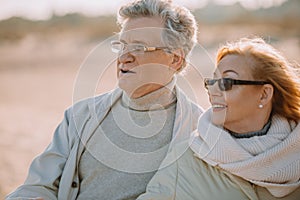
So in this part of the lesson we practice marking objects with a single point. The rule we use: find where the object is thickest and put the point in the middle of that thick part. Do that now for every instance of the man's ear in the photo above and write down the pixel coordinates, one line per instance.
(177, 59)
(266, 94)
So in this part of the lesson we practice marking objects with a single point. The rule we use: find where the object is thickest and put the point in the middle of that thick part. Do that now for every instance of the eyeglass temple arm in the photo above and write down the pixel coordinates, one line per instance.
(245, 82)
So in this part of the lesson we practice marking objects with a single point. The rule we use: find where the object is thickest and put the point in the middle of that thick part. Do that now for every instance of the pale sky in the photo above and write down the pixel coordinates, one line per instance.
(43, 9)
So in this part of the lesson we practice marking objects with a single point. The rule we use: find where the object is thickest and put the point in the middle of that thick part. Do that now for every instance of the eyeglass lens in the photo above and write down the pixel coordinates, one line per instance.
(119, 47)
(223, 84)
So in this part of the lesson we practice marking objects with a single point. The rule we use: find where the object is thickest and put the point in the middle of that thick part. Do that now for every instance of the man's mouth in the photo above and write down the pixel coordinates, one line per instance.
(126, 71)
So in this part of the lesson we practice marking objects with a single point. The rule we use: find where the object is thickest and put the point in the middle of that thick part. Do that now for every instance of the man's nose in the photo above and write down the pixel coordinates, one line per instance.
(126, 57)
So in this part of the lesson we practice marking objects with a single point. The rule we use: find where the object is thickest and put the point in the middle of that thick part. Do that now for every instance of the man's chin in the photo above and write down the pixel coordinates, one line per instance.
(137, 89)
(127, 88)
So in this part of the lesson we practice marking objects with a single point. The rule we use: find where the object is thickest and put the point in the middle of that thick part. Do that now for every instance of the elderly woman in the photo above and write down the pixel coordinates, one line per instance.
(110, 146)
(247, 145)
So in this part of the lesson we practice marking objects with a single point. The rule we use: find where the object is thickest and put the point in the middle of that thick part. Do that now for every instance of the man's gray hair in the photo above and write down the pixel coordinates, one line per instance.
(179, 23)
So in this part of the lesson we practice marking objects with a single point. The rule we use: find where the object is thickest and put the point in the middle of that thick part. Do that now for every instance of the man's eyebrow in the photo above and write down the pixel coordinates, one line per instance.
(123, 41)
(133, 41)
(138, 42)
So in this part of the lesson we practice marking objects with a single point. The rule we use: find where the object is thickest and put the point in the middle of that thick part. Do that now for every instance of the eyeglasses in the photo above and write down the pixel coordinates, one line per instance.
(226, 84)
(118, 47)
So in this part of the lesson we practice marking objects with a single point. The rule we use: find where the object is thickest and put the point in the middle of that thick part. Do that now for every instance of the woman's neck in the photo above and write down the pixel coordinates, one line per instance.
(250, 124)
(260, 132)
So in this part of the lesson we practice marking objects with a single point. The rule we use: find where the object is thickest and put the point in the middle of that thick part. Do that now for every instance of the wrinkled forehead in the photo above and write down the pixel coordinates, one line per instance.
(144, 30)
(147, 35)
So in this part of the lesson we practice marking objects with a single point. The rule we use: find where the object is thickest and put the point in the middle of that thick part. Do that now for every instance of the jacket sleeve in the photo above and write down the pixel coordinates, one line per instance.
(46, 169)
(197, 112)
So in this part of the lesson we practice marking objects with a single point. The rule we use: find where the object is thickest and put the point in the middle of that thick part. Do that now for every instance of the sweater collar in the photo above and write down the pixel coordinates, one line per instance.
(261, 132)
(158, 99)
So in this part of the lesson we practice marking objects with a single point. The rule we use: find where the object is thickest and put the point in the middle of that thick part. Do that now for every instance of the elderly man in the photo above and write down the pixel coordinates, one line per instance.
(109, 146)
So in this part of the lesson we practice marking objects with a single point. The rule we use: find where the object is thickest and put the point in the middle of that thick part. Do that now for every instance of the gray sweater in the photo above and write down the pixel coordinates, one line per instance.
(133, 126)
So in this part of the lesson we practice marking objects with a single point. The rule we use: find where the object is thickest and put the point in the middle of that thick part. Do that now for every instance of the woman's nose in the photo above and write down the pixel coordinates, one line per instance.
(214, 93)
(214, 90)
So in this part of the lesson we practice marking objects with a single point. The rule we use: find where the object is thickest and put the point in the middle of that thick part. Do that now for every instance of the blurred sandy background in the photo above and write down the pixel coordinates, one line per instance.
(40, 60)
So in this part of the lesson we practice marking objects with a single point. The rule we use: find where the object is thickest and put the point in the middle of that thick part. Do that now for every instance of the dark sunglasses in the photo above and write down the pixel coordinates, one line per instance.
(226, 84)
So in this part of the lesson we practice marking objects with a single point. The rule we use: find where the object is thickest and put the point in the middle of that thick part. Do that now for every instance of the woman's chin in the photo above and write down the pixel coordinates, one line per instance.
(218, 120)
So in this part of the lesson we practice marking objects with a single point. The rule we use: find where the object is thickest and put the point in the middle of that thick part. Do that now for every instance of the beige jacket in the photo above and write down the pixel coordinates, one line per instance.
(190, 178)
(54, 173)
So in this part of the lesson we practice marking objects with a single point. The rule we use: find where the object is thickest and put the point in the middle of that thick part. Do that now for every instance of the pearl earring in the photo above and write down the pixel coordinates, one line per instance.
(260, 106)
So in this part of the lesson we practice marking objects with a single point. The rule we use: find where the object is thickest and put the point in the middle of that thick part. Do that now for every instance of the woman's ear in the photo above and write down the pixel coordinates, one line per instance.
(177, 59)
(266, 94)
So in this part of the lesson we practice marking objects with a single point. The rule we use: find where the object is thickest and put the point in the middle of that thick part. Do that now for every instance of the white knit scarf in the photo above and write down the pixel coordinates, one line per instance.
(271, 161)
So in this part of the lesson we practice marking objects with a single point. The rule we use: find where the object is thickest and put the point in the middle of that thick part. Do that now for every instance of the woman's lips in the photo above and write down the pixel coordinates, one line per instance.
(218, 107)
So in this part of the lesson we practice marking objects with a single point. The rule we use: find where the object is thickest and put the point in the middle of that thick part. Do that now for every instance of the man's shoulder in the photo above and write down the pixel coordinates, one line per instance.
(92, 104)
